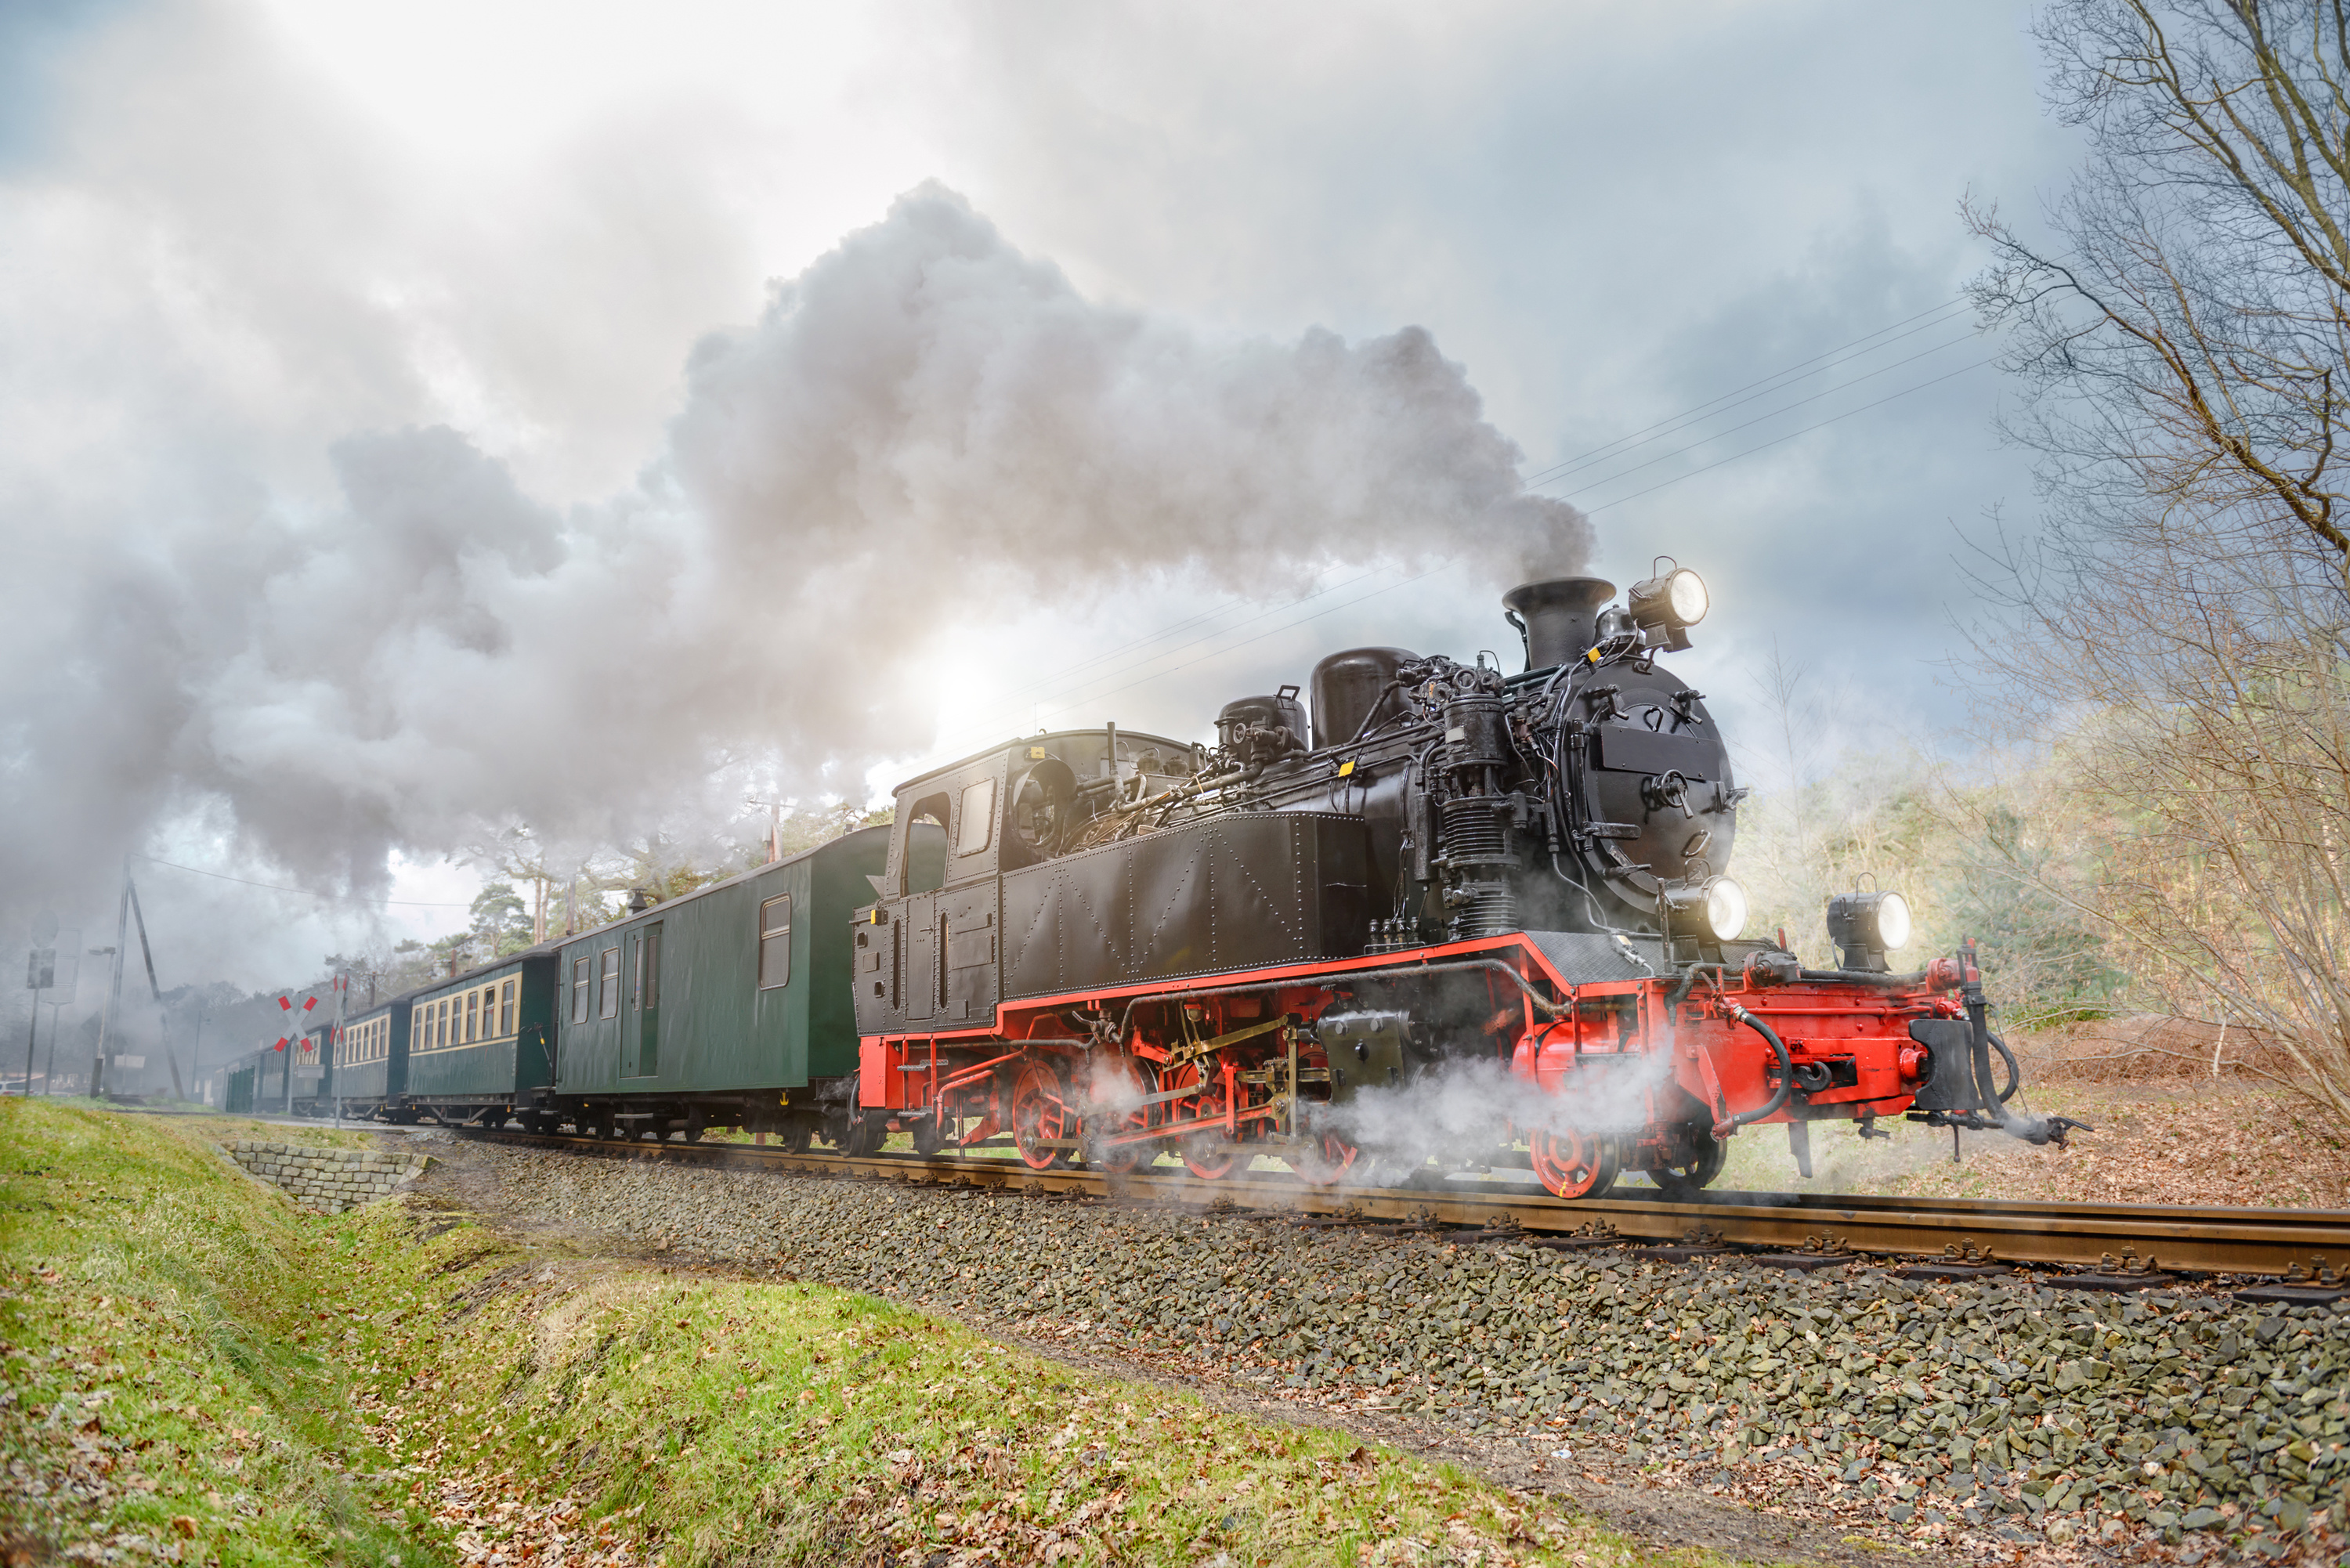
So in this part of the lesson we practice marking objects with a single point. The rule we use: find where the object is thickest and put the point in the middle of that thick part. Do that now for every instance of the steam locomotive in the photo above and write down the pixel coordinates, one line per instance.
(1450, 910)
(1444, 915)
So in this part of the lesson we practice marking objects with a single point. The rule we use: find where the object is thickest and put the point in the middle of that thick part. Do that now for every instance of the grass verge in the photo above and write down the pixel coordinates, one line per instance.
(164, 1395)
(198, 1373)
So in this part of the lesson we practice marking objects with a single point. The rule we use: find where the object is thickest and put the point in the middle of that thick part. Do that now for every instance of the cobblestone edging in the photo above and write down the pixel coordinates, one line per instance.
(327, 1179)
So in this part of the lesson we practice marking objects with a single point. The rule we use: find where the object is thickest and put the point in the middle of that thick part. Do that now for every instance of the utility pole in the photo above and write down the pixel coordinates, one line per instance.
(774, 827)
(162, 1023)
(114, 985)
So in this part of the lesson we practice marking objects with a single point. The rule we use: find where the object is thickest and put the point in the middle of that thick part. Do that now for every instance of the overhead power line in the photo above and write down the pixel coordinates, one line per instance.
(1648, 433)
(1791, 435)
(304, 892)
(1784, 408)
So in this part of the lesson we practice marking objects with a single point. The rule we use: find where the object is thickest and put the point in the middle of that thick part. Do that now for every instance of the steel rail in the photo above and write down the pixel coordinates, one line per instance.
(2179, 1241)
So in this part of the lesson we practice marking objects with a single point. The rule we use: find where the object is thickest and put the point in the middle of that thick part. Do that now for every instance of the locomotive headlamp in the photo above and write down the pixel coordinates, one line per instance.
(1711, 912)
(1669, 602)
(1725, 908)
(1866, 927)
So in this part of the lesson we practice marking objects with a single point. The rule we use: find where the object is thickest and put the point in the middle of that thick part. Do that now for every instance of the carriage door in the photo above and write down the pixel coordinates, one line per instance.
(641, 1019)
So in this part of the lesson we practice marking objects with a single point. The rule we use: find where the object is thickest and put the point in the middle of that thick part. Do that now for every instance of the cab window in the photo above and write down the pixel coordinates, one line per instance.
(975, 827)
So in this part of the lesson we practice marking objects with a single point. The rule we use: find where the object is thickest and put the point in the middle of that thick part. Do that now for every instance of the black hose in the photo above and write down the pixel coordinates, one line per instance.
(2014, 1070)
(1689, 977)
(1979, 1060)
(1786, 1068)
(1390, 690)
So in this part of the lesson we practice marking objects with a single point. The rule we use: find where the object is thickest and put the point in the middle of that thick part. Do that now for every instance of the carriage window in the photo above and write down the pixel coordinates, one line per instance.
(648, 968)
(976, 828)
(607, 1001)
(775, 942)
(445, 1024)
(471, 1025)
(580, 989)
(506, 1010)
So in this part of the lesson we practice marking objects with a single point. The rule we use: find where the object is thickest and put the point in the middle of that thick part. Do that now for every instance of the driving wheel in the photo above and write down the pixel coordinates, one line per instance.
(1573, 1163)
(1208, 1153)
(1041, 1116)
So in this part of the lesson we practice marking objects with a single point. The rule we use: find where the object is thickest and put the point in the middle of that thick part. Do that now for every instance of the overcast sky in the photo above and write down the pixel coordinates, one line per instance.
(306, 302)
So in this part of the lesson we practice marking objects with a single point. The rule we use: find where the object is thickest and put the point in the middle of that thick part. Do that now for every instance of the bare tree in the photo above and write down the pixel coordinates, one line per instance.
(2184, 350)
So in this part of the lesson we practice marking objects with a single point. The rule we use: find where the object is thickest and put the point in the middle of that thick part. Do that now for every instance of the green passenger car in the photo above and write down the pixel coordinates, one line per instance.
(478, 1043)
(726, 1007)
(371, 1060)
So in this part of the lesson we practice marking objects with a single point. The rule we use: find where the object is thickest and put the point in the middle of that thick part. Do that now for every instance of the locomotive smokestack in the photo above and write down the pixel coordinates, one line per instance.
(1559, 617)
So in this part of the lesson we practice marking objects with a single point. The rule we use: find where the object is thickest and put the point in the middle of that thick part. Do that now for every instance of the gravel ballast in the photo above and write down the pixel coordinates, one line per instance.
(1989, 1414)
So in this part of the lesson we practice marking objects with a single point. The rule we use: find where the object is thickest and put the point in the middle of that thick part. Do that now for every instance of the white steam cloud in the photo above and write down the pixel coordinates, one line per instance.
(1468, 1104)
(926, 427)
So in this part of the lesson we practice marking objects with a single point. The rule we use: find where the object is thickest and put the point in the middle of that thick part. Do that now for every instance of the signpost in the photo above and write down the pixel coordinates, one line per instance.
(62, 986)
(40, 974)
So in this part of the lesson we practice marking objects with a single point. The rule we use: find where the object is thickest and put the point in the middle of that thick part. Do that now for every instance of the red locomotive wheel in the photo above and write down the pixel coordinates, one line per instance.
(1209, 1155)
(1574, 1163)
(1325, 1166)
(1041, 1116)
(1116, 1082)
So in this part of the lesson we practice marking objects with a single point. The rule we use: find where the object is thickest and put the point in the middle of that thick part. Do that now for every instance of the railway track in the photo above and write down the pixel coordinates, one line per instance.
(2139, 1240)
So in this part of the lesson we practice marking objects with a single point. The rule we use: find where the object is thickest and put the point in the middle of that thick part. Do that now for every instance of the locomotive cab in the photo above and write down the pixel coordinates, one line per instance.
(930, 944)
